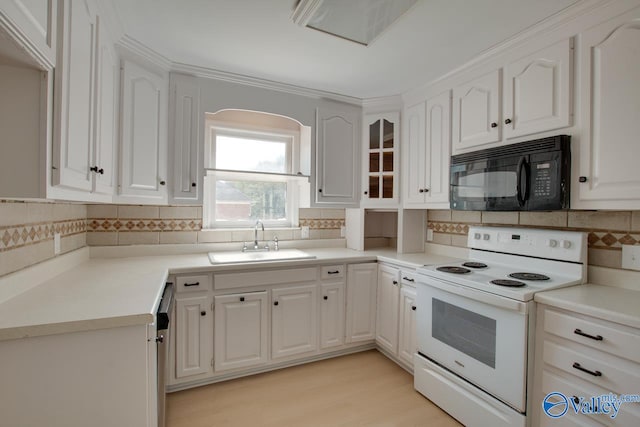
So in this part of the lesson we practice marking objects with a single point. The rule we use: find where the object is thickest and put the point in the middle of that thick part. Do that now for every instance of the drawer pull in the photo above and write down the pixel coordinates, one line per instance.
(596, 337)
(577, 366)
(192, 284)
(333, 272)
(408, 280)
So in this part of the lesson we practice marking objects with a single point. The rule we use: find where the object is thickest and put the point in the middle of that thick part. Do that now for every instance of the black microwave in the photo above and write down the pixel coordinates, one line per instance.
(528, 176)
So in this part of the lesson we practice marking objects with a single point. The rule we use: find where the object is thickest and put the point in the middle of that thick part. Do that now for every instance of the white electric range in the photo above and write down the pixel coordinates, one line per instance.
(475, 320)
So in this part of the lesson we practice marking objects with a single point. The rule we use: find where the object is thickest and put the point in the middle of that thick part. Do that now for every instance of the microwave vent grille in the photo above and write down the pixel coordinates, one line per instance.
(539, 145)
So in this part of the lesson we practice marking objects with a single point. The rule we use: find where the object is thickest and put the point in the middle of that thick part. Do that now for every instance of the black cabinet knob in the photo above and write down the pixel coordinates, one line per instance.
(426, 190)
(494, 125)
(203, 313)
(395, 282)
(413, 307)
(325, 297)
(241, 299)
(319, 190)
(421, 191)
(93, 169)
(101, 171)
(366, 192)
(275, 303)
(582, 179)
(162, 182)
(507, 121)
(193, 184)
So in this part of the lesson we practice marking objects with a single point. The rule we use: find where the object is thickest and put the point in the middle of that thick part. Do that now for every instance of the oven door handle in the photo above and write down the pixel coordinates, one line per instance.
(522, 196)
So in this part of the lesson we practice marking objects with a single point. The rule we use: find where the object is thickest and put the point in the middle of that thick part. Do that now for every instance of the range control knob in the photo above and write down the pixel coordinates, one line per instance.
(486, 237)
(477, 236)
(552, 243)
(566, 244)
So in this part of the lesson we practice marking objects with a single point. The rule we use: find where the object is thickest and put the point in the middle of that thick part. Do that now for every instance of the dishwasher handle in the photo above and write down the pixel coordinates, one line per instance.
(165, 307)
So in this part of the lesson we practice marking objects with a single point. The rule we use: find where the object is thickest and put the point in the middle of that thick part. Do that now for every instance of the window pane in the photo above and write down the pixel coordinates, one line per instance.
(250, 200)
(255, 155)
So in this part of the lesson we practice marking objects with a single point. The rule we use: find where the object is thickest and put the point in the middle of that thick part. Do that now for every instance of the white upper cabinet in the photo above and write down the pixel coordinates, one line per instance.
(75, 96)
(426, 166)
(143, 169)
(185, 137)
(610, 93)
(36, 22)
(537, 91)
(380, 163)
(476, 112)
(337, 147)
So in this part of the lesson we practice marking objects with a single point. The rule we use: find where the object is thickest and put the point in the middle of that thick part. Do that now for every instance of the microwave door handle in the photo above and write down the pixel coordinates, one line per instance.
(520, 195)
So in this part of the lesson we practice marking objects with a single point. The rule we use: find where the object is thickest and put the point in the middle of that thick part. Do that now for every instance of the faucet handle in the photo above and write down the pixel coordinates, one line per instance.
(275, 243)
(244, 246)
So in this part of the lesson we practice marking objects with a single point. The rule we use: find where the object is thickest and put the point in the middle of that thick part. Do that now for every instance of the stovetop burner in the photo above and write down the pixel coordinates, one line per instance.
(453, 269)
(472, 264)
(529, 276)
(508, 283)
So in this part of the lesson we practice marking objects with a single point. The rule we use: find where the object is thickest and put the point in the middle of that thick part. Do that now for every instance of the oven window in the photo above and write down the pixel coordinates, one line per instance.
(464, 330)
(488, 184)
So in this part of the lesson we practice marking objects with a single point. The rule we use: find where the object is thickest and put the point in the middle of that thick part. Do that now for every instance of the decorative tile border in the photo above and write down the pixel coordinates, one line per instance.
(169, 224)
(17, 236)
(322, 224)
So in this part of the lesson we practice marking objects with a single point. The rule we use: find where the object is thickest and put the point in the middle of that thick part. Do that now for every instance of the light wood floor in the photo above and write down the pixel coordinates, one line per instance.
(363, 389)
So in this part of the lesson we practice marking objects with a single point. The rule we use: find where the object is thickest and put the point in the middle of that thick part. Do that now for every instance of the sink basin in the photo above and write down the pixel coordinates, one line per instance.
(258, 256)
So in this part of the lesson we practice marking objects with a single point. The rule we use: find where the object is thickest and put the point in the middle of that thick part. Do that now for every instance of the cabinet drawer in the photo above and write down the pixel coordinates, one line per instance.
(619, 376)
(628, 414)
(265, 278)
(200, 282)
(599, 334)
(332, 272)
(408, 277)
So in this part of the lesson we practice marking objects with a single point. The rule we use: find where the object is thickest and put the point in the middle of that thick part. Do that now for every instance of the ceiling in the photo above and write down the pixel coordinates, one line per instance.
(257, 38)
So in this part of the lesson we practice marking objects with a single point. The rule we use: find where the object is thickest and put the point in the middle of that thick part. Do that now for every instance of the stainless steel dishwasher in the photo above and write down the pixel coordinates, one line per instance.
(163, 316)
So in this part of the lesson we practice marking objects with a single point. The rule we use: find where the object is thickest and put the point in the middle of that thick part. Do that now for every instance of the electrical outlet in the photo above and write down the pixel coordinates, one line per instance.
(429, 235)
(56, 243)
(304, 232)
(343, 231)
(631, 257)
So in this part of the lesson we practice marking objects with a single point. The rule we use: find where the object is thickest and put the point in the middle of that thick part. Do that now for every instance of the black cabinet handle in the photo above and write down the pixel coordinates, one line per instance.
(577, 366)
(203, 313)
(193, 184)
(319, 190)
(421, 191)
(162, 182)
(366, 192)
(395, 282)
(407, 279)
(333, 272)
(192, 284)
(325, 297)
(593, 337)
(241, 299)
(101, 171)
(507, 121)
(413, 307)
(494, 125)
(426, 190)
(275, 303)
(93, 169)
(582, 179)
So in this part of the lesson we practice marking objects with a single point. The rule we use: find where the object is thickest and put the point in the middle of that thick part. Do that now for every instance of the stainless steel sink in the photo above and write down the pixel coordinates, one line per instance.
(257, 256)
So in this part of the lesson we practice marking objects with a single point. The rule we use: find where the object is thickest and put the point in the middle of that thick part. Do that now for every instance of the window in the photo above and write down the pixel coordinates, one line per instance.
(250, 176)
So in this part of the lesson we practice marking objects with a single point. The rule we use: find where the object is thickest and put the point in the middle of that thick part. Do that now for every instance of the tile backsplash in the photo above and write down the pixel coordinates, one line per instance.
(27, 231)
(607, 230)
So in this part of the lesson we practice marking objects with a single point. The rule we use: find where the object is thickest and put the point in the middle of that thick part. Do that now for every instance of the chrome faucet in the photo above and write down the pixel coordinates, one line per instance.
(255, 234)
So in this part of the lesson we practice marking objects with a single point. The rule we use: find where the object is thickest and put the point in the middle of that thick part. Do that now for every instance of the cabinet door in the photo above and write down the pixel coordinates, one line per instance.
(294, 320)
(332, 310)
(407, 346)
(144, 135)
(438, 150)
(387, 308)
(380, 160)
(476, 112)
(362, 283)
(106, 113)
(194, 336)
(336, 156)
(610, 88)
(240, 330)
(537, 91)
(413, 169)
(36, 20)
(74, 88)
(187, 150)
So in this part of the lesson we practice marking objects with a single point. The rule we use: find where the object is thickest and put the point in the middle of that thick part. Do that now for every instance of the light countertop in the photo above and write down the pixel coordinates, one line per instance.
(104, 293)
(610, 303)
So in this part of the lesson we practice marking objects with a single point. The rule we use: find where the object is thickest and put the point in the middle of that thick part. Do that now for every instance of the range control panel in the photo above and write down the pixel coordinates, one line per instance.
(550, 244)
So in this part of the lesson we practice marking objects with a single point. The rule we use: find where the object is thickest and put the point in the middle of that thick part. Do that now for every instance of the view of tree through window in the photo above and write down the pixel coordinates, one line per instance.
(250, 200)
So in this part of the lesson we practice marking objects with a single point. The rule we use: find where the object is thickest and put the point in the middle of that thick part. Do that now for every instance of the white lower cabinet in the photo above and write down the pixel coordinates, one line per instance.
(294, 321)
(194, 336)
(407, 339)
(240, 330)
(332, 314)
(362, 282)
(387, 308)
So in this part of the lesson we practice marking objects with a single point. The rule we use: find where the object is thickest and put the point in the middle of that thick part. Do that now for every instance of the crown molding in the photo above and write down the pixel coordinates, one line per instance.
(210, 73)
(392, 102)
(131, 45)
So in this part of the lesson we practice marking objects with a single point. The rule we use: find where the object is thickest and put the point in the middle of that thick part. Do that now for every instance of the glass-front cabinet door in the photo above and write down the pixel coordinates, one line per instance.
(381, 159)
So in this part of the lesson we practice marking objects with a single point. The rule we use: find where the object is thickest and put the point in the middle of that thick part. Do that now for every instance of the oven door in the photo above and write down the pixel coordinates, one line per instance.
(479, 336)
